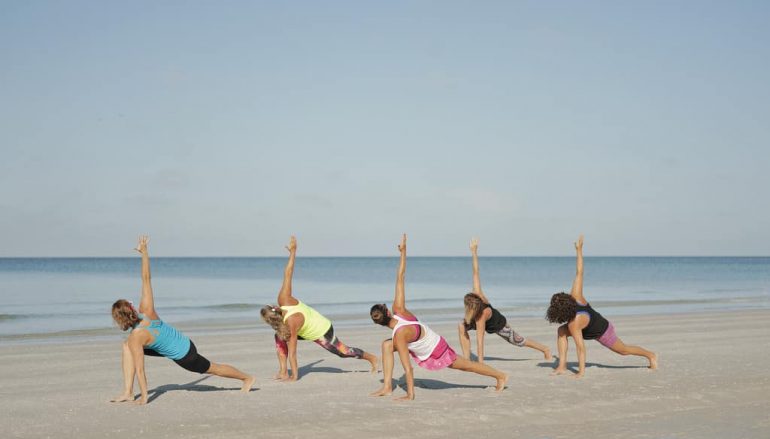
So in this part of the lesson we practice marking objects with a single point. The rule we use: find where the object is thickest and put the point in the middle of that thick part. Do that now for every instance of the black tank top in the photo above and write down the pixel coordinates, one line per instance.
(494, 324)
(596, 326)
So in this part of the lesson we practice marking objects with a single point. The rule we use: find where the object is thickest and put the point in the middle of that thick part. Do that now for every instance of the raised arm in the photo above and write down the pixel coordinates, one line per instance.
(284, 296)
(399, 303)
(476, 278)
(147, 302)
(577, 284)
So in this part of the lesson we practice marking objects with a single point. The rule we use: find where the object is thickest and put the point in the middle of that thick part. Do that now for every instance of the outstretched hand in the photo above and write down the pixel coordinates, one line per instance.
(474, 244)
(292, 246)
(402, 246)
(579, 243)
(141, 247)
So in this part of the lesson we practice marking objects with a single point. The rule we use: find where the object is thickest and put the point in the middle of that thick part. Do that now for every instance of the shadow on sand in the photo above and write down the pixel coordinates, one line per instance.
(573, 365)
(311, 368)
(192, 386)
(426, 383)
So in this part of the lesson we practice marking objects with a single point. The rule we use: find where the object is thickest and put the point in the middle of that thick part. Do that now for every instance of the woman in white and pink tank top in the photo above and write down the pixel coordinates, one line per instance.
(412, 338)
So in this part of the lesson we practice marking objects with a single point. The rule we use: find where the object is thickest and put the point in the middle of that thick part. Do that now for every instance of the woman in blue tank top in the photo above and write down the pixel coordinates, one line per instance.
(149, 335)
(581, 322)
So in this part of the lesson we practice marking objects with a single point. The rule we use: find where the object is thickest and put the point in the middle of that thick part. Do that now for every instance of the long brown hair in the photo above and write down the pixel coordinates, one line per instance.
(563, 308)
(474, 306)
(124, 314)
(273, 316)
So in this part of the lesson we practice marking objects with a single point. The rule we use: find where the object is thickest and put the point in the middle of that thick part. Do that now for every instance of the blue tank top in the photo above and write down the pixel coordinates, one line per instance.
(169, 341)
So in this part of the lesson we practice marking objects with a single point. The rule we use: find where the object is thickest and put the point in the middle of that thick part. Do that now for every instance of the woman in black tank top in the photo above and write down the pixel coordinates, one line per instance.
(582, 322)
(479, 313)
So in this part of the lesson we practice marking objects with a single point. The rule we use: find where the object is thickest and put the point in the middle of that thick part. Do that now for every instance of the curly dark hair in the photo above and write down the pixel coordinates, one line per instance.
(563, 308)
(379, 314)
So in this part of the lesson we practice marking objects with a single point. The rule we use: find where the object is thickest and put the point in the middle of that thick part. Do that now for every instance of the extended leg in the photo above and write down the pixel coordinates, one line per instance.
(227, 371)
(331, 343)
(387, 369)
(624, 349)
(542, 348)
(514, 338)
(481, 369)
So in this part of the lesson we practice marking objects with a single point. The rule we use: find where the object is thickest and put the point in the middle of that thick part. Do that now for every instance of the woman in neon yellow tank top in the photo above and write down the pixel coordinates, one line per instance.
(293, 320)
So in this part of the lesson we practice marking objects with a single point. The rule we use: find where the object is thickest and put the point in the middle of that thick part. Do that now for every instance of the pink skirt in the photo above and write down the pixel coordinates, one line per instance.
(441, 357)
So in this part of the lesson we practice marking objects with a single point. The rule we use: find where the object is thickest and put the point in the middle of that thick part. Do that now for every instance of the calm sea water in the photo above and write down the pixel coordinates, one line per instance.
(67, 295)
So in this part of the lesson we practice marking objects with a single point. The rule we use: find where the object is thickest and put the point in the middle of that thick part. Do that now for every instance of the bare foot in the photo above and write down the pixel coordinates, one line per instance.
(247, 383)
(559, 371)
(382, 392)
(123, 398)
(404, 398)
(501, 383)
(654, 362)
(374, 361)
(547, 354)
(281, 376)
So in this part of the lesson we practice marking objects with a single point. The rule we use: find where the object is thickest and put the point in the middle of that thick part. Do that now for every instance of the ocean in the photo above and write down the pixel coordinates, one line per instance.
(71, 297)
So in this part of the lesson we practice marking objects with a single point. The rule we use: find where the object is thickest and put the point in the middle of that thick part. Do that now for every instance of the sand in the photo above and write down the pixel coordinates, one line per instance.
(712, 383)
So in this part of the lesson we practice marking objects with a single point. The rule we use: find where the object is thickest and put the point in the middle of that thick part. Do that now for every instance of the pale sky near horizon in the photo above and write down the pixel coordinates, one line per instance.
(220, 128)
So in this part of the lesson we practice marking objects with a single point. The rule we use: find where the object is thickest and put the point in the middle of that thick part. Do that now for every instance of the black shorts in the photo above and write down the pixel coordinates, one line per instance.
(192, 361)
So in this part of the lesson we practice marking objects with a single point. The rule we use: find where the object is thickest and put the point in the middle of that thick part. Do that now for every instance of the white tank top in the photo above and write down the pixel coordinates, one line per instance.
(423, 347)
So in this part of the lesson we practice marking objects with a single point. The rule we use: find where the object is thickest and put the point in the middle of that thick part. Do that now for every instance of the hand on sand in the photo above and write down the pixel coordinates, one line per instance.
(292, 246)
(384, 391)
(579, 243)
(402, 246)
(141, 247)
(122, 398)
(474, 244)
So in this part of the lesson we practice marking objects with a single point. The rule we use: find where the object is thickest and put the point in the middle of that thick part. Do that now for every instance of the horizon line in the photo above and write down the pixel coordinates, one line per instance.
(384, 256)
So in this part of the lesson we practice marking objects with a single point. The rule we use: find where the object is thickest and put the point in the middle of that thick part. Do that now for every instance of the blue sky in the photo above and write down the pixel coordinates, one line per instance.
(220, 128)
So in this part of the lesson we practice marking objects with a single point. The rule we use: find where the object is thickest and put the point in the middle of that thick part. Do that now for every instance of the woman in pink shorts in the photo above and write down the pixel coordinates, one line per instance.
(582, 322)
(415, 339)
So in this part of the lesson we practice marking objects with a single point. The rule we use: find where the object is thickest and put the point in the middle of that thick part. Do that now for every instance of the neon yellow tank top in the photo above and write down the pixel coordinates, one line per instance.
(315, 326)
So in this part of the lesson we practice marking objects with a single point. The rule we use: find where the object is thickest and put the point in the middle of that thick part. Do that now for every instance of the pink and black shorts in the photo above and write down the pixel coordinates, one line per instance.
(609, 337)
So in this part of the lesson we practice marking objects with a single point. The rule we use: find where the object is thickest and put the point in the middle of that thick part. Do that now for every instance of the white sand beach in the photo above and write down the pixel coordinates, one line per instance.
(712, 383)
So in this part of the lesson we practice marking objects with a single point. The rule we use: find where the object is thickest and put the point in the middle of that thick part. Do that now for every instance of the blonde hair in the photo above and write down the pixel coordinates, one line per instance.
(124, 314)
(474, 306)
(273, 316)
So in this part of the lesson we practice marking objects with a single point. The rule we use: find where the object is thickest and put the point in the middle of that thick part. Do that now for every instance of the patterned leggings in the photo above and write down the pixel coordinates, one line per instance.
(329, 341)
(511, 336)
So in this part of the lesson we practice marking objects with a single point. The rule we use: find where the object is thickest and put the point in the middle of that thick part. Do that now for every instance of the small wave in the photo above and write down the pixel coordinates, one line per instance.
(9, 317)
(233, 307)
